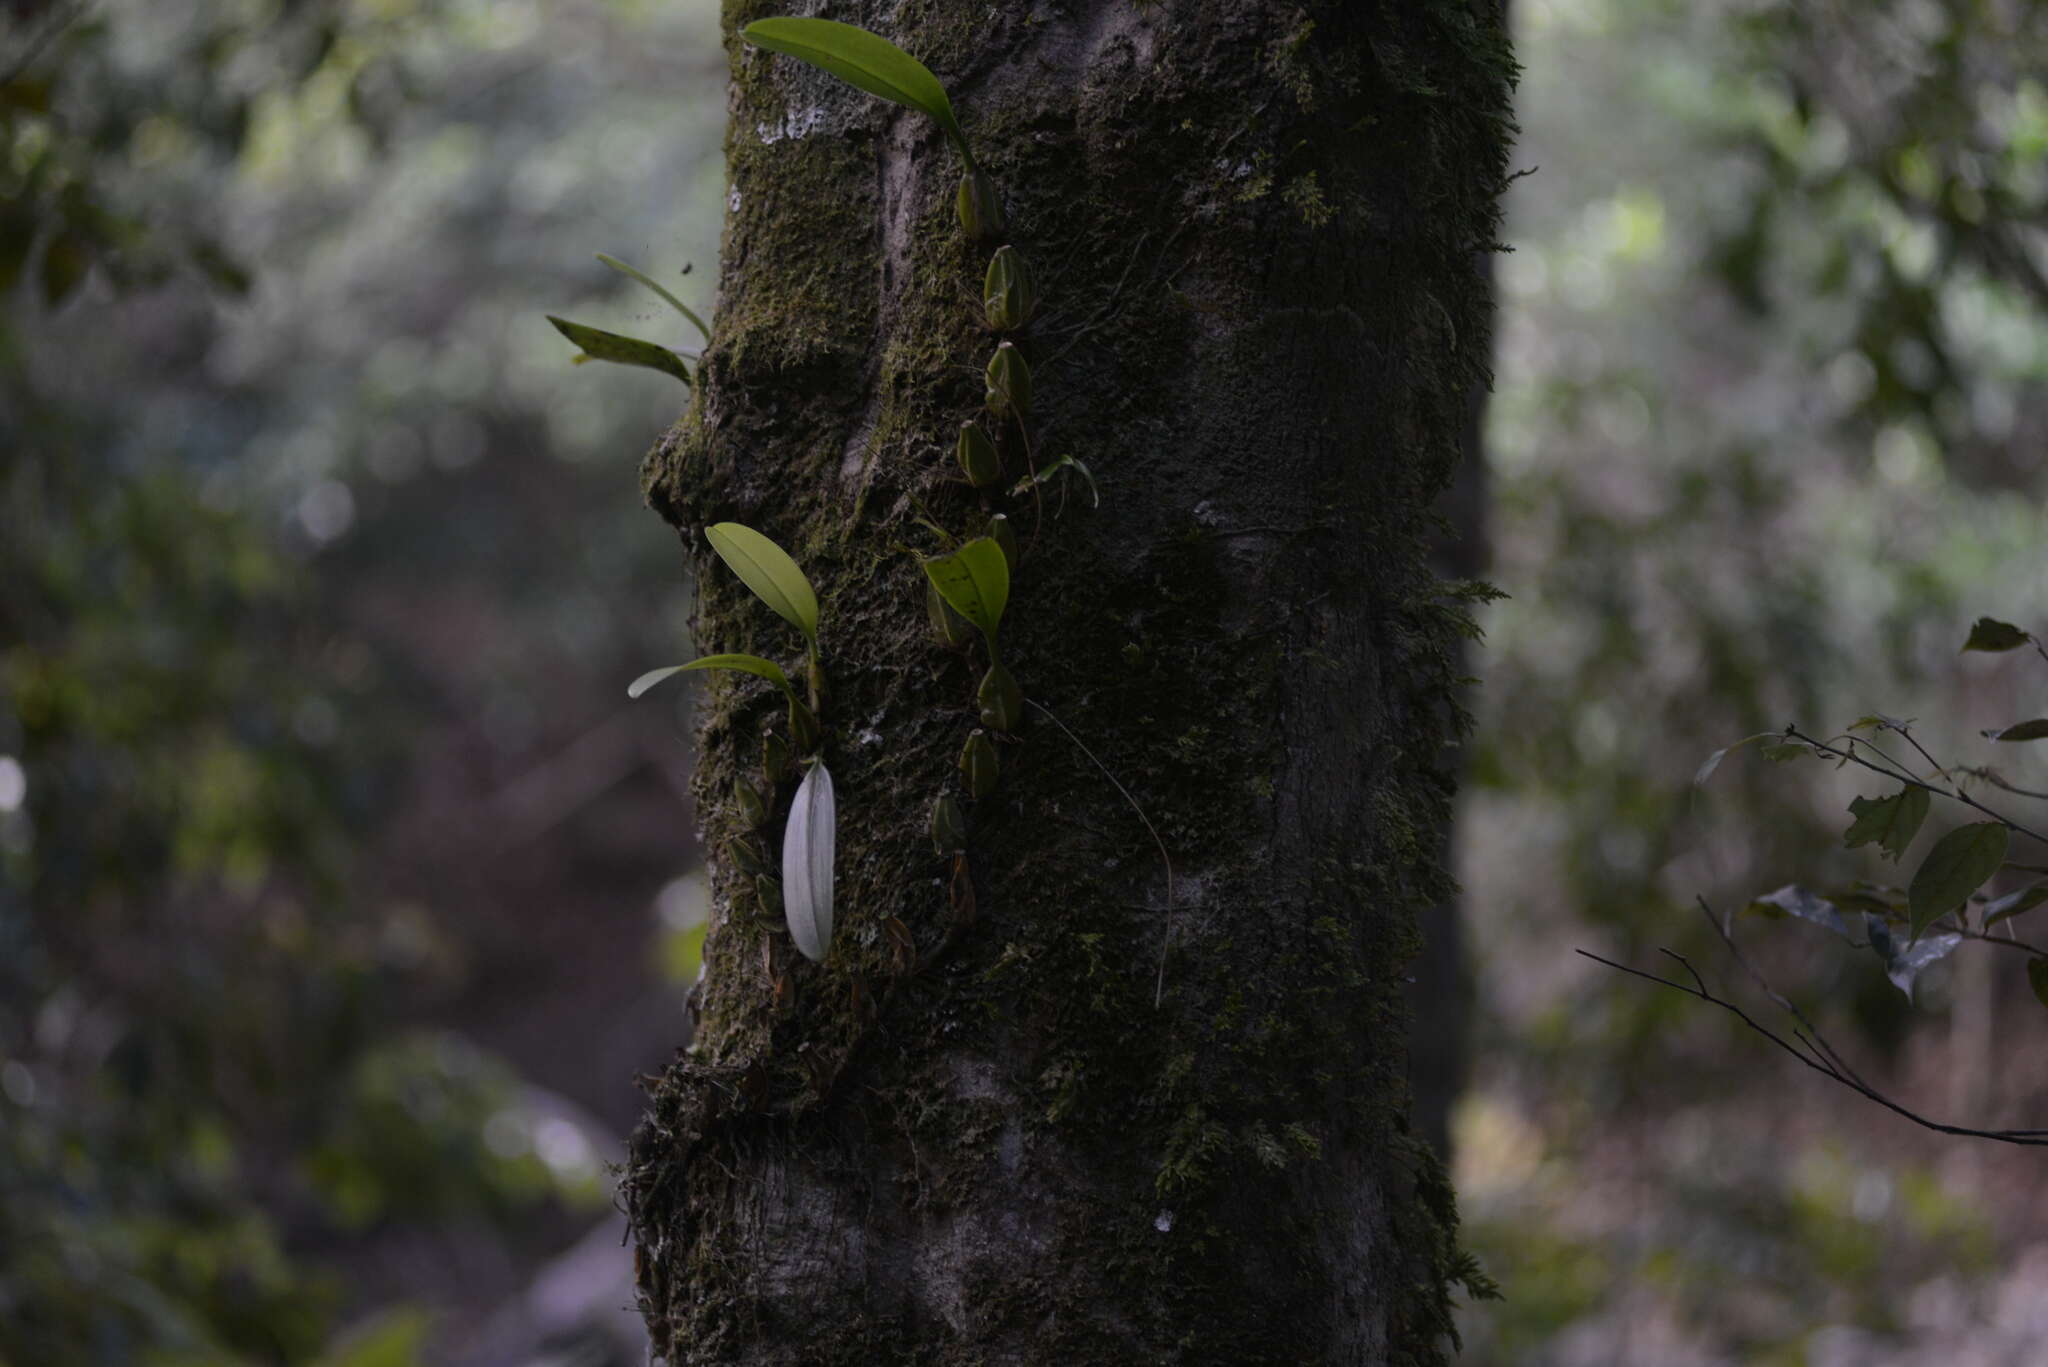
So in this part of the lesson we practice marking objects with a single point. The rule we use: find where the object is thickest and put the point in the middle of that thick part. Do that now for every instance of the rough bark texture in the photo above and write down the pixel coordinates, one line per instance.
(1258, 230)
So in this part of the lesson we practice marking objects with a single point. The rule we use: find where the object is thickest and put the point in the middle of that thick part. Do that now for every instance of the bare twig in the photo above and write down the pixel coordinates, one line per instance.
(1159, 988)
(1991, 777)
(1815, 1053)
(1900, 773)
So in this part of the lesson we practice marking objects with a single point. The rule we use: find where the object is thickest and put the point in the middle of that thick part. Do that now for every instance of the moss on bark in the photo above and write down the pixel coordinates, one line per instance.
(1258, 229)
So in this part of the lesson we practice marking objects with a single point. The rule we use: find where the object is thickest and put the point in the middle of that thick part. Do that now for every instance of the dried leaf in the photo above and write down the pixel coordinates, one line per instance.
(862, 59)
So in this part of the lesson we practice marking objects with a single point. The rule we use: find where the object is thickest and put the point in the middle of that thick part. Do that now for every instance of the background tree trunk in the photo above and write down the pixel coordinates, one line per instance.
(1258, 230)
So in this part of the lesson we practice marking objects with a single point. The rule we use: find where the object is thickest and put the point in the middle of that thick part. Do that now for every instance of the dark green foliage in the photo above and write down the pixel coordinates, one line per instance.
(1957, 866)
(1890, 821)
(599, 345)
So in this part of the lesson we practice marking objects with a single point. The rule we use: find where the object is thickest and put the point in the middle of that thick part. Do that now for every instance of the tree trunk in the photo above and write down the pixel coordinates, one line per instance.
(1100, 1113)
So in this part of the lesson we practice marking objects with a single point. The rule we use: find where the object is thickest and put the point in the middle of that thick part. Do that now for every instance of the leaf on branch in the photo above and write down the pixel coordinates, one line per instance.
(1956, 867)
(2037, 729)
(1988, 633)
(1787, 750)
(599, 345)
(1890, 821)
(1793, 900)
(1067, 462)
(864, 60)
(767, 569)
(1906, 964)
(808, 843)
(2013, 903)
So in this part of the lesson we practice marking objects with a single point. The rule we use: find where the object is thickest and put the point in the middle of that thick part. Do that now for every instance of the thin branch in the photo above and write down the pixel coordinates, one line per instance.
(2007, 941)
(1956, 794)
(1812, 1036)
(1159, 988)
(1814, 1053)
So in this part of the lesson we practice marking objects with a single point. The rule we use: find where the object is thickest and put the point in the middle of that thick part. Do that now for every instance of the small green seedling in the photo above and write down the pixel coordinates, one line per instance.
(599, 345)
(767, 569)
(975, 582)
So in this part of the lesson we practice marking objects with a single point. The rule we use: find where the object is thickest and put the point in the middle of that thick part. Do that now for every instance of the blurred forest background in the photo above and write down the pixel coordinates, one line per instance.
(342, 895)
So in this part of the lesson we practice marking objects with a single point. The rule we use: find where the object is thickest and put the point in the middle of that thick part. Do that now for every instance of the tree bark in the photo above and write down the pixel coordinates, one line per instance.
(1101, 1114)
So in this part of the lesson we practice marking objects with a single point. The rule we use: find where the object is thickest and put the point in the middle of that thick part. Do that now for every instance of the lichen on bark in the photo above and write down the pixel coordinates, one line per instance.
(1010, 1152)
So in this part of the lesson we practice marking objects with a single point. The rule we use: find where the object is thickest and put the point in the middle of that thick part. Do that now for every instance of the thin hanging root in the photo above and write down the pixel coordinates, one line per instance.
(1037, 499)
(1159, 988)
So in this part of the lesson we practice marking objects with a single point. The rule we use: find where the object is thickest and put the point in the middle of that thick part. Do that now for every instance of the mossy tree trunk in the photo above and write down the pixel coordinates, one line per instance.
(1097, 1114)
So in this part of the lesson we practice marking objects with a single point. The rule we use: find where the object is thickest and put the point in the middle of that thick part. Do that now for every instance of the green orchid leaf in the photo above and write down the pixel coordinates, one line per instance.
(743, 664)
(975, 582)
(599, 345)
(623, 269)
(1956, 867)
(862, 59)
(767, 569)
